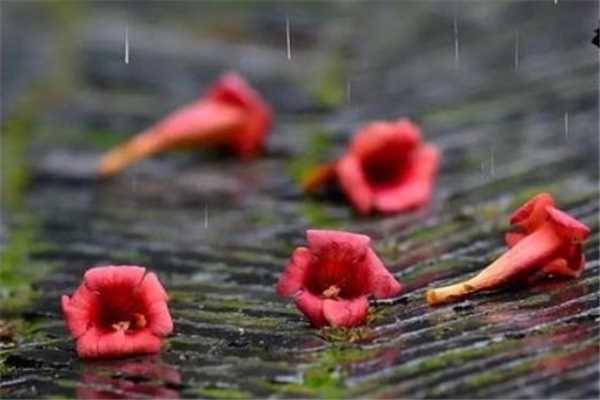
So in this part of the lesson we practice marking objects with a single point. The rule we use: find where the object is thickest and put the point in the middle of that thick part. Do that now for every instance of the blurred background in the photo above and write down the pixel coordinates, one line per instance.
(508, 90)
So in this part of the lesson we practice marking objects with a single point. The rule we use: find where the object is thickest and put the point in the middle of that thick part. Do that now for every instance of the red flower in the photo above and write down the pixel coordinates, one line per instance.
(231, 114)
(549, 243)
(116, 311)
(386, 168)
(332, 278)
(569, 261)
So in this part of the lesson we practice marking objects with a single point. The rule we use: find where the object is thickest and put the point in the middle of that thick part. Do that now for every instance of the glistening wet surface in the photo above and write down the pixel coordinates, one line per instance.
(218, 231)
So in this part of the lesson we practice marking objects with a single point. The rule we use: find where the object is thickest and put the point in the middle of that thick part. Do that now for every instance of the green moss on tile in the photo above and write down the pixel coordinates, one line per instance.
(429, 233)
(318, 148)
(220, 393)
(344, 334)
(328, 85)
(16, 136)
(325, 377)
(4, 368)
(19, 270)
(318, 215)
(67, 383)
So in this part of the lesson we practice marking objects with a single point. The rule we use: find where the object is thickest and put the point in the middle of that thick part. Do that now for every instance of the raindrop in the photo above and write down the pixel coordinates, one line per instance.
(348, 92)
(205, 216)
(555, 2)
(566, 125)
(516, 49)
(288, 41)
(456, 49)
(492, 163)
(126, 45)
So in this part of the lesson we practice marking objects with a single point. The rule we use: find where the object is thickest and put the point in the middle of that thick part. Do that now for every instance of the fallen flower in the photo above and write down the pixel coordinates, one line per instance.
(386, 168)
(548, 243)
(529, 217)
(116, 311)
(231, 114)
(331, 279)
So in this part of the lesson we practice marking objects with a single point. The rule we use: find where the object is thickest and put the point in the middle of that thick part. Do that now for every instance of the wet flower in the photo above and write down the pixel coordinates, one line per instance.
(232, 114)
(332, 278)
(116, 311)
(386, 168)
(548, 242)
(570, 260)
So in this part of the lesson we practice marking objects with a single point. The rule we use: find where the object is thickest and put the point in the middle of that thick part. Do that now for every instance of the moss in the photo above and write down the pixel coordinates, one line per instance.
(18, 269)
(103, 140)
(317, 214)
(431, 232)
(528, 193)
(37, 328)
(221, 393)
(498, 375)
(344, 334)
(4, 368)
(329, 87)
(16, 135)
(67, 383)
(76, 137)
(325, 377)
(490, 211)
(463, 111)
(264, 218)
(454, 357)
(318, 144)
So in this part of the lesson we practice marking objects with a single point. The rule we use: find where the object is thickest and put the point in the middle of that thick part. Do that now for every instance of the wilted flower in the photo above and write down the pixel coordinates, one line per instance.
(548, 243)
(231, 114)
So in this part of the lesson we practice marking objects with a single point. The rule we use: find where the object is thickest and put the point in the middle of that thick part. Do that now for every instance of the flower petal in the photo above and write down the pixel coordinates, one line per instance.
(354, 183)
(415, 189)
(233, 89)
(559, 267)
(101, 278)
(401, 133)
(322, 239)
(311, 306)
(113, 344)
(87, 344)
(512, 238)
(80, 310)
(568, 226)
(533, 213)
(346, 312)
(151, 290)
(159, 319)
(293, 276)
(77, 319)
(570, 264)
(97, 344)
(382, 283)
(142, 342)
